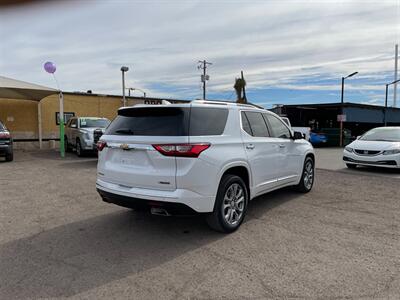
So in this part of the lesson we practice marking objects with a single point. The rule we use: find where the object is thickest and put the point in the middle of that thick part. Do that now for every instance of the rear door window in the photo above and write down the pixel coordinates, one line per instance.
(257, 124)
(207, 121)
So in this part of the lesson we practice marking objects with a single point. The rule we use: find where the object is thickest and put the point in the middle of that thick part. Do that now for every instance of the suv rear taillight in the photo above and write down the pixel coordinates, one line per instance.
(181, 150)
(5, 135)
(101, 145)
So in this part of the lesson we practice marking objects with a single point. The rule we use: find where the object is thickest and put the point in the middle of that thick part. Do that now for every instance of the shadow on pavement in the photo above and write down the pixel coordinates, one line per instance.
(80, 256)
(259, 205)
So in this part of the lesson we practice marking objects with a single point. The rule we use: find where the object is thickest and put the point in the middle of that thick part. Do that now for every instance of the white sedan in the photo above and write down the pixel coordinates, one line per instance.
(378, 147)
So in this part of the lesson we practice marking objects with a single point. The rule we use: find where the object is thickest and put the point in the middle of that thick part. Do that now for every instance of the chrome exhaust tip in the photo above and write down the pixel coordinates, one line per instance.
(159, 212)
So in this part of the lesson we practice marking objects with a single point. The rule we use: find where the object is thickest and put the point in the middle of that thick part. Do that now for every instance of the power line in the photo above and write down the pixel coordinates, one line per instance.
(202, 65)
(230, 97)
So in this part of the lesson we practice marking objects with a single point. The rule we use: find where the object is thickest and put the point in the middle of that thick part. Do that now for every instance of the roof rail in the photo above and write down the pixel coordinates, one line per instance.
(213, 102)
(228, 103)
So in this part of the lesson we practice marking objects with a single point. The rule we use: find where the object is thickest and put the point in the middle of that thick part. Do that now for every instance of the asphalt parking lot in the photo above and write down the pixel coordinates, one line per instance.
(58, 239)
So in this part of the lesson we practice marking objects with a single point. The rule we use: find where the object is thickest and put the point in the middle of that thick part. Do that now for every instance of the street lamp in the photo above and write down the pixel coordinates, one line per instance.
(144, 93)
(129, 90)
(341, 101)
(123, 70)
(386, 96)
(134, 89)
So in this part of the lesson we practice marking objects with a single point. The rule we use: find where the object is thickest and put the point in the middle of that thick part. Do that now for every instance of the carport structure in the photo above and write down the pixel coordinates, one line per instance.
(21, 90)
(324, 117)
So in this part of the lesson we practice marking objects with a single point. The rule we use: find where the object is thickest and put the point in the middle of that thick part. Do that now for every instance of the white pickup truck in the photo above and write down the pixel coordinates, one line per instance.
(304, 130)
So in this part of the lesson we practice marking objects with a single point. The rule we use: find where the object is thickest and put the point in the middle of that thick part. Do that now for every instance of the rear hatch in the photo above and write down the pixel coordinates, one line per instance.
(130, 159)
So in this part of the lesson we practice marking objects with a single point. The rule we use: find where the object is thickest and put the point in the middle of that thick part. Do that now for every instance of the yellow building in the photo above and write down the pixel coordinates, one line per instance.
(32, 120)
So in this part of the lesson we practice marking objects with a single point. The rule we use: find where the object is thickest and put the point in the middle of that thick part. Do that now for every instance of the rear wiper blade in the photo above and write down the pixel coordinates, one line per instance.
(124, 131)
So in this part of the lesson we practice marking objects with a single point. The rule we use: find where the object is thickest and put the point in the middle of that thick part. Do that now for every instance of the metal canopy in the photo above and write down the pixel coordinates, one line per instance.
(21, 90)
(16, 89)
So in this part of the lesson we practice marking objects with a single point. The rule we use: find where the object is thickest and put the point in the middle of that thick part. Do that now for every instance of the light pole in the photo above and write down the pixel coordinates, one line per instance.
(386, 97)
(135, 89)
(123, 70)
(129, 90)
(341, 104)
(144, 93)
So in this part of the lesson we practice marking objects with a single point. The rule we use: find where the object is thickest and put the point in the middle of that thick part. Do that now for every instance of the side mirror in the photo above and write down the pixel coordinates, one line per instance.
(297, 135)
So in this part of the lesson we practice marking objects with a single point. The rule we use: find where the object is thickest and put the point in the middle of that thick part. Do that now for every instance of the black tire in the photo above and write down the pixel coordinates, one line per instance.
(351, 166)
(307, 177)
(67, 146)
(9, 156)
(217, 219)
(79, 150)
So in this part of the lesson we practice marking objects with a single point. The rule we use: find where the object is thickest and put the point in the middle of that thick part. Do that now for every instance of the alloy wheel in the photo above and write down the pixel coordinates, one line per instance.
(308, 175)
(233, 204)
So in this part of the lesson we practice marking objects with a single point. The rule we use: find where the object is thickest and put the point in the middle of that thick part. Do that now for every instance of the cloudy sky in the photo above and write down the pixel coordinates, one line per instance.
(290, 51)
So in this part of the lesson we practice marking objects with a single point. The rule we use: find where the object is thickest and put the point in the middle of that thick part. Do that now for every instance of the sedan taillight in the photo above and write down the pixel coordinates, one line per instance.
(101, 145)
(181, 150)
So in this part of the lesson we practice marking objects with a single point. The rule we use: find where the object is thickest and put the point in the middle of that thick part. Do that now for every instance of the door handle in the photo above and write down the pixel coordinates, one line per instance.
(282, 146)
(250, 146)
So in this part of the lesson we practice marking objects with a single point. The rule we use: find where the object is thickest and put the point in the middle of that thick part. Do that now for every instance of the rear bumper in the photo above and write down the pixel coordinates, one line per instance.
(146, 205)
(88, 145)
(131, 197)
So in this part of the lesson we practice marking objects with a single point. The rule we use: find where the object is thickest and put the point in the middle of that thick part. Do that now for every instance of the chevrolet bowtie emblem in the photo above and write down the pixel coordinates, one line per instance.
(124, 146)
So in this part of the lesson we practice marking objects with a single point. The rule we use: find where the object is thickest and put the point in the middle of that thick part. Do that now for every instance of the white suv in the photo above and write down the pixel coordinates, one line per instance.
(205, 157)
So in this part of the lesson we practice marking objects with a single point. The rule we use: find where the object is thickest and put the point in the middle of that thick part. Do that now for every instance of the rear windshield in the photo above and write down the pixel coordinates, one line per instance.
(169, 121)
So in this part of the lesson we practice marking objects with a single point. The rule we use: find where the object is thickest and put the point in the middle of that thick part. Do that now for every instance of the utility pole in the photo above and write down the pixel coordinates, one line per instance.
(202, 64)
(396, 61)
(341, 108)
(386, 99)
(385, 112)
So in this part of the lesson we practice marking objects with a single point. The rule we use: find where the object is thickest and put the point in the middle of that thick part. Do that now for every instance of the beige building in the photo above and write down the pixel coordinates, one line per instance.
(29, 120)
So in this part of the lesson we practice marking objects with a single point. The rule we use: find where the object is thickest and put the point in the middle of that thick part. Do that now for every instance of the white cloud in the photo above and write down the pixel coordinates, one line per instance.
(278, 44)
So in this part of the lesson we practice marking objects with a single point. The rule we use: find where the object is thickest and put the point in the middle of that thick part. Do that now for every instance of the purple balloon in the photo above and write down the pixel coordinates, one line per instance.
(50, 67)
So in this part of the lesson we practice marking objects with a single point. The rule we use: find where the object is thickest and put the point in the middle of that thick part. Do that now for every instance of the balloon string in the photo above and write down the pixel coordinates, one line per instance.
(58, 86)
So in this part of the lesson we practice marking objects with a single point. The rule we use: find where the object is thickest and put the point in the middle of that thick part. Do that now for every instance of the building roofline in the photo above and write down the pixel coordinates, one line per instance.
(127, 97)
(336, 104)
